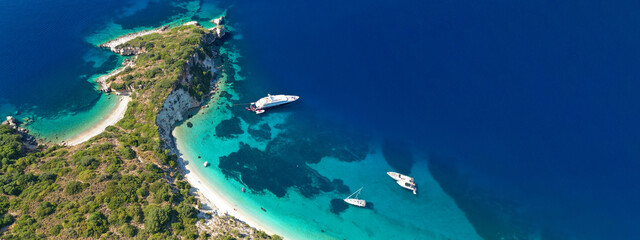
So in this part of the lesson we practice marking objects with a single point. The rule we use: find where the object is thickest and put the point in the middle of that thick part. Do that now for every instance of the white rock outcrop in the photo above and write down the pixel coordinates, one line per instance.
(176, 104)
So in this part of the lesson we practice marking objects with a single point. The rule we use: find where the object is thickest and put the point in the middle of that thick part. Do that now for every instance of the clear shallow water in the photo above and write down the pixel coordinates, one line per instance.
(263, 154)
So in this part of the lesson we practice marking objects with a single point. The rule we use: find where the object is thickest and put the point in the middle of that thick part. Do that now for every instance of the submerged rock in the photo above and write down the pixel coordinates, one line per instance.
(338, 206)
(189, 124)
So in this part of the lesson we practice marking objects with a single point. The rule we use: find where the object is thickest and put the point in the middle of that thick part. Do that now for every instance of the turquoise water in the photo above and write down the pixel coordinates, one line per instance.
(304, 209)
(65, 125)
(513, 106)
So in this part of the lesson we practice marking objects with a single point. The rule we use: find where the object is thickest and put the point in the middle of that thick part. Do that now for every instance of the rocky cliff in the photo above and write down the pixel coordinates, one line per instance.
(173, 109)
(180, 101)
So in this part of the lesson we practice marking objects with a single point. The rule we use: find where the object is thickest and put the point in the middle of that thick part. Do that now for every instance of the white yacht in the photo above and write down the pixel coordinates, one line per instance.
(272, 101)
(206, 163)
(404, 181)
(408, 185)
(355, 201)
(399, 177)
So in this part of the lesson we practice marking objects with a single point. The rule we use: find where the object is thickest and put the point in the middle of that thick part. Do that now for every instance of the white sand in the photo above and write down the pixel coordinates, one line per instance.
(223, 204)
(112, 118)
(120, 40)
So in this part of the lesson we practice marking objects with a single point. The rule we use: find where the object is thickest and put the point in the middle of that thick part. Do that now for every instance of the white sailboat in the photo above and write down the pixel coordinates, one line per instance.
(272, 101)
(206, 163)
(355, 201)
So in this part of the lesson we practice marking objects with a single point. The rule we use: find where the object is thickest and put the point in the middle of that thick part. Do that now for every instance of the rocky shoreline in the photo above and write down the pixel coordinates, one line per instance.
(102, 80)
(30, 142)
(176, 106)
(179, 102)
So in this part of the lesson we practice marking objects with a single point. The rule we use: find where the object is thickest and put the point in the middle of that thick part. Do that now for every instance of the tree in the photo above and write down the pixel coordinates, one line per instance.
(127, 152)
(186, 211)
(96, 224)
(155, 217)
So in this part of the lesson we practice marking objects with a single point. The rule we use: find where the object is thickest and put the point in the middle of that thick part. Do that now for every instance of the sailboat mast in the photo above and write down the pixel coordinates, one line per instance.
(356, 192)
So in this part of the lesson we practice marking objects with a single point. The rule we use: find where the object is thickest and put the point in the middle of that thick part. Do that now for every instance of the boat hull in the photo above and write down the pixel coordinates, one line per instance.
(356, 202)
(407, 185)
(279, 101)
(399, 177)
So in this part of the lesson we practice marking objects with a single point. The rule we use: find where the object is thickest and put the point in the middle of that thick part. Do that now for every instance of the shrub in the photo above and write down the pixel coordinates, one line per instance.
(50, 177)
(262, 234)
(6, 220)
(88, 161)
(96, 224)
(74, 187)
(4, 204)
(128, 230)
(45, 208)
(55, 230)
(127, 152)
(135, 212)
(86, 175)
(118, 86)
(25, 227)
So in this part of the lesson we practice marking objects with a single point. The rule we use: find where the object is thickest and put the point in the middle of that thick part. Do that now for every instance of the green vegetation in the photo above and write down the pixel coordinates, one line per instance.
(122, 183)
(10, 146)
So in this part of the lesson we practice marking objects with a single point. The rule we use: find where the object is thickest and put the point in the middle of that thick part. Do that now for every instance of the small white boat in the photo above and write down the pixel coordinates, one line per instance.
(408, 185)
(355, 201)
(271, 101)
(206, 163)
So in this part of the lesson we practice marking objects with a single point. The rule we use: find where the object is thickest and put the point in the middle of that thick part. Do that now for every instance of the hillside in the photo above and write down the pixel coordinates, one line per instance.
(125, 182)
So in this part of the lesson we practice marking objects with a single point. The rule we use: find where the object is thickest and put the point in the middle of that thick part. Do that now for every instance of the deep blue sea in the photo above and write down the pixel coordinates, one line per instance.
(524, 113)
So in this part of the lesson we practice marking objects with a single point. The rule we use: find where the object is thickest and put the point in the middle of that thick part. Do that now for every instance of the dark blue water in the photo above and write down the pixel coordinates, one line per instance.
(533, 102)
(536, 102)
(46, 60)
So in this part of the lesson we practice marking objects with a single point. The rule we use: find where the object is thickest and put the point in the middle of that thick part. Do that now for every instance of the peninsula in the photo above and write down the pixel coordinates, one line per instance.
(123, 179)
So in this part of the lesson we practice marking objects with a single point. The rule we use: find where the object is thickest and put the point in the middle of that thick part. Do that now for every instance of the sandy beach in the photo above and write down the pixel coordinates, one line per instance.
(112, 118)
(123, 39)
(216, 200)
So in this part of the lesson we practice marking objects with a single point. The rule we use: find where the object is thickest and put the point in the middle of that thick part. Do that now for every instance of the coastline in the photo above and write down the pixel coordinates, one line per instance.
(118, 112)
(176, 105)
(112, 118)
(123, 39)
(216, 201)
(102, 80)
